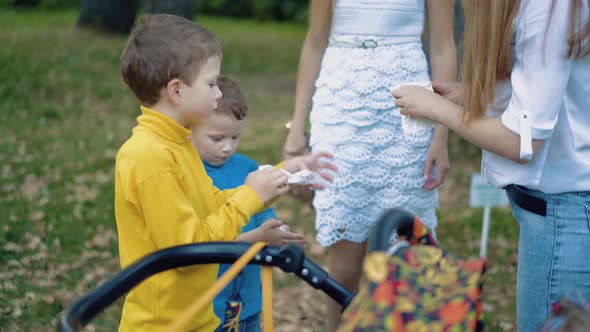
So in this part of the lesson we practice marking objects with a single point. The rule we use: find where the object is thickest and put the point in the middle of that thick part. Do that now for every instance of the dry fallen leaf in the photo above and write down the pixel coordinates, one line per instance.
(30, 188)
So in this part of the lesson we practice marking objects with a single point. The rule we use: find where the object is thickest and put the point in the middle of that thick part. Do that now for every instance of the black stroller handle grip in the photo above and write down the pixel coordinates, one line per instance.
(393, 220)
(289, 258)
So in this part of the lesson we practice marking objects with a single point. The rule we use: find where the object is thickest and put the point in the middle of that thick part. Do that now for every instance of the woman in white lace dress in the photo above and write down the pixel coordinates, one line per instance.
(354, 52)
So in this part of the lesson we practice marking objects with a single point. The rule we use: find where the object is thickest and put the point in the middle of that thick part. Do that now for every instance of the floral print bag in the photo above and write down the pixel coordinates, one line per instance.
(419, 288)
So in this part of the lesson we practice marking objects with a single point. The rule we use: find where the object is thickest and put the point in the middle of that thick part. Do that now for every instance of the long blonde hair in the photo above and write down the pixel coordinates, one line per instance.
(579, 31)
(486, 47)
(486, 50)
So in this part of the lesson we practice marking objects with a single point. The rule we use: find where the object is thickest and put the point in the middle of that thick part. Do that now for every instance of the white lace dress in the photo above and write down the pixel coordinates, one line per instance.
(354, 117)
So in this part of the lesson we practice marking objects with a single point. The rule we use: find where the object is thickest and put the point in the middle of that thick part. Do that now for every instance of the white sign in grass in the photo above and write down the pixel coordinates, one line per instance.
(481, 194)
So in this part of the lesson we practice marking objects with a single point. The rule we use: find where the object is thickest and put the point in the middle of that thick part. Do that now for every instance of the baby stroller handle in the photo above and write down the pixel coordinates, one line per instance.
(392, 221)
(290, 259)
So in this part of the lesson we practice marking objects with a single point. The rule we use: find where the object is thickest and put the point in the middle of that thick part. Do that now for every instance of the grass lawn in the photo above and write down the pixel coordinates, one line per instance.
(64, 112)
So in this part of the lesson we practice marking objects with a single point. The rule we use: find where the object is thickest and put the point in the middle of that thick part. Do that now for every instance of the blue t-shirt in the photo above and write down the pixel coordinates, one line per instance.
(227, 176)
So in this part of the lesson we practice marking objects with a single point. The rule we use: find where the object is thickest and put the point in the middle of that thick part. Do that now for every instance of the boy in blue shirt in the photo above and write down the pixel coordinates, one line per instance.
(216, 139)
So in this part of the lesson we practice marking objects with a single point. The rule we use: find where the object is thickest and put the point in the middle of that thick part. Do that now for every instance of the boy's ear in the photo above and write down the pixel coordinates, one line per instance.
(172, 91)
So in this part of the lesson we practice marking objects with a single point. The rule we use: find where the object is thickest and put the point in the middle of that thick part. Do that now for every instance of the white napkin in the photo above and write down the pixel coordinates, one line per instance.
(413, 125)
(304, 177)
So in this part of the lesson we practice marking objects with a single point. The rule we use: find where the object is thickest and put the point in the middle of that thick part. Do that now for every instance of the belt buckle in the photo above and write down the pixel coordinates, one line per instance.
(369, 43)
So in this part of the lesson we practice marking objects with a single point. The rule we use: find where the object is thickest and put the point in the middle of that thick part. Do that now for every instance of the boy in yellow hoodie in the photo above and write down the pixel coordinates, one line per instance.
(172, 64)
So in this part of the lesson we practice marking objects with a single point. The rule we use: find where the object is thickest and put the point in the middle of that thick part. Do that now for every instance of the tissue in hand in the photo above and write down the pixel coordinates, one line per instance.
(304, 177)
(413, 125)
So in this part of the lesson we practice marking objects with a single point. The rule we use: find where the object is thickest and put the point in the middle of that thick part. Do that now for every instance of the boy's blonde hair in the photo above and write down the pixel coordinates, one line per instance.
(164, 47)
(232, 102)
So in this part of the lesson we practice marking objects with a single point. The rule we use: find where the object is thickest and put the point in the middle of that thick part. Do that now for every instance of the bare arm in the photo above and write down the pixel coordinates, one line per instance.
(488, 133)
(443, 53)
(443, 66)
(310, 60)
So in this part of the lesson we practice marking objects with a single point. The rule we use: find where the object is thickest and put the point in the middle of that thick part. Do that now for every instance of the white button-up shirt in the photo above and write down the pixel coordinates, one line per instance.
(547, 98)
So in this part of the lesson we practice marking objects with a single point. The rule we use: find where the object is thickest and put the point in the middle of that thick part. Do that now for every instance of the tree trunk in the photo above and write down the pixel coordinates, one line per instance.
(459, 25)
(109, 15)
(184, 8)
(25, 3)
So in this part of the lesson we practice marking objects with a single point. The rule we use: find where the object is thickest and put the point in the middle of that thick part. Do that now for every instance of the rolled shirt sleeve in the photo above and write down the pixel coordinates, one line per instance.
(540, 71)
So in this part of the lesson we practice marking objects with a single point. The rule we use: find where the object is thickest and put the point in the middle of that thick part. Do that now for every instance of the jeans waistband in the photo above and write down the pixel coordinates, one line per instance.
(356, 42)
(519, 196)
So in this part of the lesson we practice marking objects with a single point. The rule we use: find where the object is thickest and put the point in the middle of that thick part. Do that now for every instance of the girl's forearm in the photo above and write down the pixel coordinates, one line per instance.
(487, 133)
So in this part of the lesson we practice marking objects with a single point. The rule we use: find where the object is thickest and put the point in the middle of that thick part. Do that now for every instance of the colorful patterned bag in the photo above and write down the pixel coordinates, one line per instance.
(419, 288)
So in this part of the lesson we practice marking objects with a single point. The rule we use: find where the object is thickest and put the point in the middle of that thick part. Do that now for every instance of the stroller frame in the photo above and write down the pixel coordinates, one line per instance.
(290, 259)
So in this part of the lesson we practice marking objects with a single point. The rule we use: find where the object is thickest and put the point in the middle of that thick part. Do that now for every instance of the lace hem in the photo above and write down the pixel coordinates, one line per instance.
(328, 234)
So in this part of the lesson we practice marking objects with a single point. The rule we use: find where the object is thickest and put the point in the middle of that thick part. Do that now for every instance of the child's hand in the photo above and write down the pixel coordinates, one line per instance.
(274, 232)
(417, 101)
(318, 162)
(268, 183)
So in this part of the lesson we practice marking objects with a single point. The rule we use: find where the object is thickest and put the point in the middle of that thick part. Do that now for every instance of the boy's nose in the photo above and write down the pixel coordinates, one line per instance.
(226, 147)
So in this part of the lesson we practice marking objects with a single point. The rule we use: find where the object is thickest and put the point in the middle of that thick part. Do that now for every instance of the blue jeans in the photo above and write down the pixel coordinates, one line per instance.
(553, 255)
(250, 324)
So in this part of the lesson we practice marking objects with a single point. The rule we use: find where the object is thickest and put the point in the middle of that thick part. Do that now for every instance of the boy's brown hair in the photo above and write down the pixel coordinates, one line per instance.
(232, 102)
(164, 47)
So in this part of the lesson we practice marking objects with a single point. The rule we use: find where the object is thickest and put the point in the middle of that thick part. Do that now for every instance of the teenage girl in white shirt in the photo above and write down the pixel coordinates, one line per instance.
(525, 100)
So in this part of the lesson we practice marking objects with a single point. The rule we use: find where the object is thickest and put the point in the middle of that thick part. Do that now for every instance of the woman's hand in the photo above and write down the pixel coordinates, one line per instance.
(452, 91)
(436, 157)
